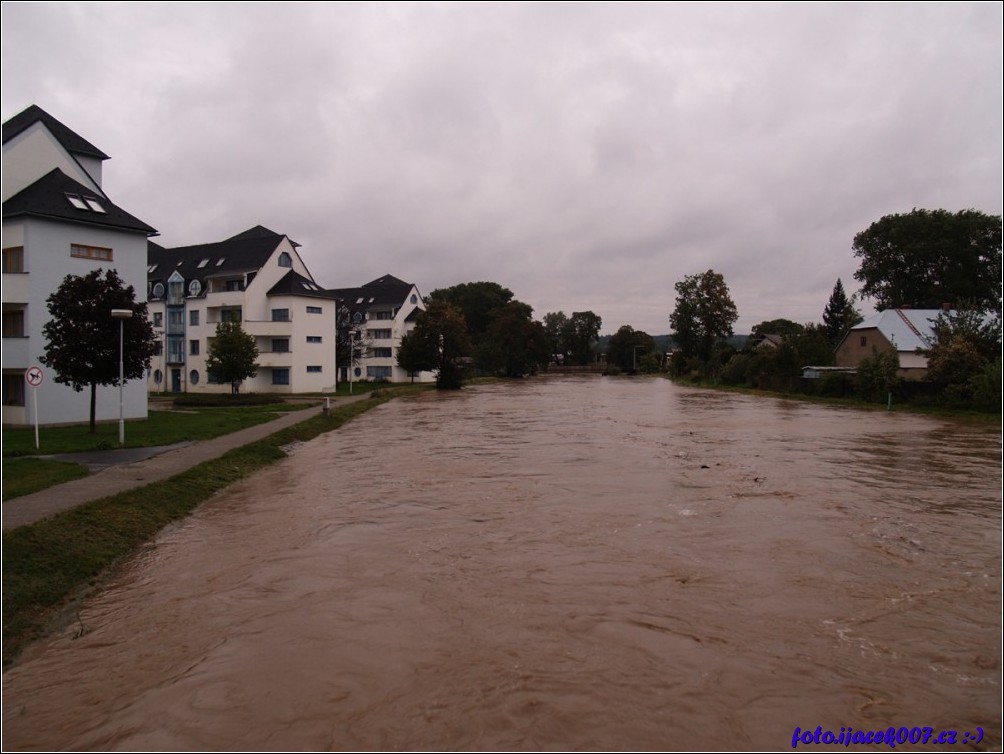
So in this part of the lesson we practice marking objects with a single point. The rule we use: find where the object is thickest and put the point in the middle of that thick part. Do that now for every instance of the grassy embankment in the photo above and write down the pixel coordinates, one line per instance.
(848, 402)
(49, 565)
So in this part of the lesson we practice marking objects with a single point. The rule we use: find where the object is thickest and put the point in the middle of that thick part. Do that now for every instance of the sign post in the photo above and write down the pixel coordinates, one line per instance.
(34, 377)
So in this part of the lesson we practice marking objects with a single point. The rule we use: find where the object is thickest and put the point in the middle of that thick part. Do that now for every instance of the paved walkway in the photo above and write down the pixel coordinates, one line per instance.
(125, 469)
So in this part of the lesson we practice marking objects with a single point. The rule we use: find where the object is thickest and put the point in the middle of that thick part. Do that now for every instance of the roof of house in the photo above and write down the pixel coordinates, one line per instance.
(295, 284)
(384, 291)
(56, 196)
(71, 140)
(907, 329)
(235, 255)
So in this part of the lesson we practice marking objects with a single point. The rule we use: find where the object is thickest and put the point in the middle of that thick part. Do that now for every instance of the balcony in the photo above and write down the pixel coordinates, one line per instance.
(16, 352)
(267, 328)
(15, 287)
(275, 359)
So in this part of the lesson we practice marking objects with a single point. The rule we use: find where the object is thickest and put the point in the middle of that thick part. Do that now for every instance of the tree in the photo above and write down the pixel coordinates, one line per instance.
(786, 328)
(351, 341)
(704, 313)
(514, 344)
(967, 348)
(555, 325)
(581, 334)
(82, 338)
(438, 343)
(839, 316)
(627, 346)
(232, 356)
(929, 257)
(476, 302)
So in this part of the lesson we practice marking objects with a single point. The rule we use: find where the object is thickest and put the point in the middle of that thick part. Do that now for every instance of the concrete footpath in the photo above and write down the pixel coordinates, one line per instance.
(128, 468)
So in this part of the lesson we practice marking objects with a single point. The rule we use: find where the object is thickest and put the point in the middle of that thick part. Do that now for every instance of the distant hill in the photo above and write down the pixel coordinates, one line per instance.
(665, 343)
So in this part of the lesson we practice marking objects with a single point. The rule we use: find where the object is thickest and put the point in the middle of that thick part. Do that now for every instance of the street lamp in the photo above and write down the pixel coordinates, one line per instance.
(353, 335)
(121, 315)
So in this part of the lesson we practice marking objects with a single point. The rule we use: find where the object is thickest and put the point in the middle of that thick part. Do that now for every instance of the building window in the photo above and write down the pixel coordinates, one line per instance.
(158, 376)
(379, 334)
(13, 323)
(158, 290)
(158, 319)
(280, 345)
(193, 348)
(382, 353)
(384, 315)
(193, 317)
(280, 376)
(280, 315)
(193, 376)
(234, 285)
(414, 298)
(13, 389)
(378, 373)
(285, 260)
(90, 252)
(313, 369)
(230, 315)
(314, 310)
(158, 348)
(864, 341)
(313, 338)
(13, 259)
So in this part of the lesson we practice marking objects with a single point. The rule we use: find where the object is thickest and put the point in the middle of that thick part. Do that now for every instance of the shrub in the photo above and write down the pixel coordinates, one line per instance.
(207, 400)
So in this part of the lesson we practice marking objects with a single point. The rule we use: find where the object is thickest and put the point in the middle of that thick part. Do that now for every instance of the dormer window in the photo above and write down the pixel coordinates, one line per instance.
(220, 261)
(76, 201)
(95, 206)
(203, 263)
(285, 260)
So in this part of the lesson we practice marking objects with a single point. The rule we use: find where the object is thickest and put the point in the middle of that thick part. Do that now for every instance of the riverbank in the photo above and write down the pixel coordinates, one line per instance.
(827, 400)
(49, 566)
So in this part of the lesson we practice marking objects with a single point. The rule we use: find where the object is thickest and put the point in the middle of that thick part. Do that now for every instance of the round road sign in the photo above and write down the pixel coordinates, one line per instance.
(34, 376)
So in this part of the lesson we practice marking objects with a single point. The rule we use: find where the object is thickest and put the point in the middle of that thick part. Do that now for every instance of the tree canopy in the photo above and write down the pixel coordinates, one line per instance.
(627, 346)
(704, 313)
(82, 338)
(438, 343)
(929, 257)
(581, 333)
(476, 302)
(232, 355)
(514, 344)
(839, 316)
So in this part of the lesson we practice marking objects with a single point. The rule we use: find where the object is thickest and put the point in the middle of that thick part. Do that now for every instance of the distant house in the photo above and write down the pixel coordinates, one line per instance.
(909, 331)
(258, 279)
(58, 221)
(383, 311)
(765, 342)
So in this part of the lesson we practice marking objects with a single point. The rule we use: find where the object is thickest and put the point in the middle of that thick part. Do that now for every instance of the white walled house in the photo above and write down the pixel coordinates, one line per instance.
(257, 278)
(382, 311)
(58, 221)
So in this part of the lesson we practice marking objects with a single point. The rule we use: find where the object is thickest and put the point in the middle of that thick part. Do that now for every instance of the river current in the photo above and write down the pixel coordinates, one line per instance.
(556, 563)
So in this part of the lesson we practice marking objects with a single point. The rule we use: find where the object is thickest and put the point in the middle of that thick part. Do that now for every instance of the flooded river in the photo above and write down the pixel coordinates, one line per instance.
(560, 563)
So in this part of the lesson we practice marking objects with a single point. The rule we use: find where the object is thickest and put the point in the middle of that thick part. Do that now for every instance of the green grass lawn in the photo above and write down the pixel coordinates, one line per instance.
(22, 476)
(161, 428)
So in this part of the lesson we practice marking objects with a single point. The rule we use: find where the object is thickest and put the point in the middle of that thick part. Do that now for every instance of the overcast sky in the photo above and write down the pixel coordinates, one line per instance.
(586, 156)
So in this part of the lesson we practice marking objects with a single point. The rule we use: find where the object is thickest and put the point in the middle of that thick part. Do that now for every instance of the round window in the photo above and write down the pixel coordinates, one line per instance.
(194, 288)
(193, 377)
(158, 290)
(158, 376)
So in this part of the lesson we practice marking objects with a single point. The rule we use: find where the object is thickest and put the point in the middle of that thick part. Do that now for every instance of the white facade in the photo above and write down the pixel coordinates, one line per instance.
(293, 327)
(38, 255)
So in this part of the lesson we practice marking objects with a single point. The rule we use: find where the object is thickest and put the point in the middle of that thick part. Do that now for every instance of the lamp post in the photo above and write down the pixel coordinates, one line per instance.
(121, 315)
(353, 334)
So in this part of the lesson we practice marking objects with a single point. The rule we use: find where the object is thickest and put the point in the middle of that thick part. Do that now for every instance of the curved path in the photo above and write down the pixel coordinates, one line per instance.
(126, 469)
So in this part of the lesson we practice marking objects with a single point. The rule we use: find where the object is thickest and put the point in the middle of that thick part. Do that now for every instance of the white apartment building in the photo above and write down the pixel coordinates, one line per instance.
(58, 221)
(256, 278)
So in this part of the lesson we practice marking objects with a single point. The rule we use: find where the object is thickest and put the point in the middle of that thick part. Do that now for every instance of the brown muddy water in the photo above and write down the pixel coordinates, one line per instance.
(580, 563)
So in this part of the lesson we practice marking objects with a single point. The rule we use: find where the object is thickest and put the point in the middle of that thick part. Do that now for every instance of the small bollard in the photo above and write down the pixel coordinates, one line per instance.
(327, 405)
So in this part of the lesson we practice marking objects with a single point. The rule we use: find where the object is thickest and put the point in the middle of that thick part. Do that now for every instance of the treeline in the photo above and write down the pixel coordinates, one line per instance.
(482, 329)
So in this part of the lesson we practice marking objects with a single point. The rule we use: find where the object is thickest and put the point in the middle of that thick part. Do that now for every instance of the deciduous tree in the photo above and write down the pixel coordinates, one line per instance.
(704, 313)
(929, 257)
(627, 346)
(581, 334)
(232, 356)
(82, 338)
(438, 343)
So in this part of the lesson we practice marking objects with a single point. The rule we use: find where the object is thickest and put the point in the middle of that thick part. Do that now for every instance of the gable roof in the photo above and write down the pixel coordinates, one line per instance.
(259, 231)
(197, 262)
(48, 198)
(69, 139)
(907, 329)
(295, 284)
(384, 291)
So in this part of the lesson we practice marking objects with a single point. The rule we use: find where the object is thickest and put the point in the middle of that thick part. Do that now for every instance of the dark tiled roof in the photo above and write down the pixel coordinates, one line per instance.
(71, 141)
(384, 291)
(295, 284)
(47, 198)
(413, 315)
(259, 231)
(235, 255)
